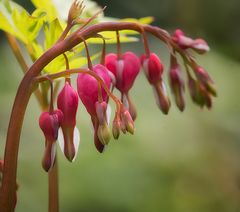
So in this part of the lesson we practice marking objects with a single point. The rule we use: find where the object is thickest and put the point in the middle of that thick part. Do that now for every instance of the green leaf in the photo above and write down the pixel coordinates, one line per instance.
(144, 20)
(110, 37)
(52, 33)
(58, 64)
(48, 7)
(29, 25)
(6, 23)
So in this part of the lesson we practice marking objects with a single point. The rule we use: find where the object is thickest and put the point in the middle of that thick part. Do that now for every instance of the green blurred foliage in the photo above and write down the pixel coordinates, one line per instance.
(177, 163)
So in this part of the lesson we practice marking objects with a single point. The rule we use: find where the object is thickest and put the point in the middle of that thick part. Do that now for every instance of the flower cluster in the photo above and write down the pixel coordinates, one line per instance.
(95, 87)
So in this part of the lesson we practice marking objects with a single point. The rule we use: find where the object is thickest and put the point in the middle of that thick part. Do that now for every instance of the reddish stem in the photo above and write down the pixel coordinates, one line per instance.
(24, 92)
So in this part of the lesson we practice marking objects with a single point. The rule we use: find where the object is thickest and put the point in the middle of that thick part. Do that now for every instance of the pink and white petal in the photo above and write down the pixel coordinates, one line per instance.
(76, 141)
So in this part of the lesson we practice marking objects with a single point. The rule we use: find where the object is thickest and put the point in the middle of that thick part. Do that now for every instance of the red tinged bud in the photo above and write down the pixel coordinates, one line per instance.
(116, 128)
(68, 103)
(125, 69)
(88, 88)
(199, 93)
(153, 69)
(101, 111)
(127, 123)
(205, 80)
(177, 83)
(50, 122)
(199, 45)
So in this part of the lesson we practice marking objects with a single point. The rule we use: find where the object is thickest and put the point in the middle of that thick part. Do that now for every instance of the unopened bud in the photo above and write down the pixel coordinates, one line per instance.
(127, 102)
(177, 84)
(101, 108)
(127, 121)
(116, 128)
(49, 155)
(205, 79)
(199, 45)
(161, 97)
(104, 134)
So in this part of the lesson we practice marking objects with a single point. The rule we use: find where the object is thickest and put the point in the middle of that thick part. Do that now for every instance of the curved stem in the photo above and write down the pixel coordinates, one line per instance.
(83, 71)
(24, 92)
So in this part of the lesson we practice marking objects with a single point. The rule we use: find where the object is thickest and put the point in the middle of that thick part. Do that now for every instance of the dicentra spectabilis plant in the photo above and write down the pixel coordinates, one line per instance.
(59, 57)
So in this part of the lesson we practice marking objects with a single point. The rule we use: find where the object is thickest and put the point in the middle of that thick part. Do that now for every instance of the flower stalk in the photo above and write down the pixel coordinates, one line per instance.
(32, 77)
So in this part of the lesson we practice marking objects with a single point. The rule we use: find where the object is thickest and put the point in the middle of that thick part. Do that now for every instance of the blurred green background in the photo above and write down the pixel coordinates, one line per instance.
(182, 162)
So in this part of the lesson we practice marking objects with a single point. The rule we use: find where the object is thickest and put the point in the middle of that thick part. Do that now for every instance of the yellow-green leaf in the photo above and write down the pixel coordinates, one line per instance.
(52, 33)
(48, 7)
(144, 20)
(29, 25)
(110, 37)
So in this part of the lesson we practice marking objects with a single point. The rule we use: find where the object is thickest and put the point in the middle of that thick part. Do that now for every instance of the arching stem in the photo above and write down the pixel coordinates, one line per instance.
(25, 88)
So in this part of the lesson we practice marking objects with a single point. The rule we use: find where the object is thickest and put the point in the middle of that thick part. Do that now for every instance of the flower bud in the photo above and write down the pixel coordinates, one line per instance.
(199, 93)
(127, 102)
(88, 91)
(98, 144)
(125, 69)
(161, 97)
(88, 88)
(205, 79)
(127, 121)
(103, 133)
(68, 103)
(153, 68)
(116, 128)
(176, 83)
(101, 109)
(50, 122)
(199, 45)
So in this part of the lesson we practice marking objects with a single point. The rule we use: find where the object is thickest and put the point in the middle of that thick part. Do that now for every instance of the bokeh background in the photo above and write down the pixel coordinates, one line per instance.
(182, 162)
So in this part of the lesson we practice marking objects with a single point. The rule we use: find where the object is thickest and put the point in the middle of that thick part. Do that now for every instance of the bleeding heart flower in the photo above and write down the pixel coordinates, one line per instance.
(199, 45)
(95, 99)
(68, 135)
(153, 69)
(177, 83)
(125, 70)
(50, 123)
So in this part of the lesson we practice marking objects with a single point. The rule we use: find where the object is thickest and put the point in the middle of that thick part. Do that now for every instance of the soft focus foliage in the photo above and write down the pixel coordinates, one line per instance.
(51, 16)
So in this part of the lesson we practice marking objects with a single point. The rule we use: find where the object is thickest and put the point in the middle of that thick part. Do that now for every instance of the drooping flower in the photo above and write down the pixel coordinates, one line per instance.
(69, 136)
(153, 69)
(176, 83)
(50, 123)
(199, 45)
(95, 100)
(125, 70)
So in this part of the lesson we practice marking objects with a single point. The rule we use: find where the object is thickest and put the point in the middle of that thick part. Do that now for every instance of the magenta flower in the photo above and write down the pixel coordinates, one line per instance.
(176, 83)
(50, 123)
(199, 45)
(69, 136)
(153, 69)
(95, 99)
(125, 70)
